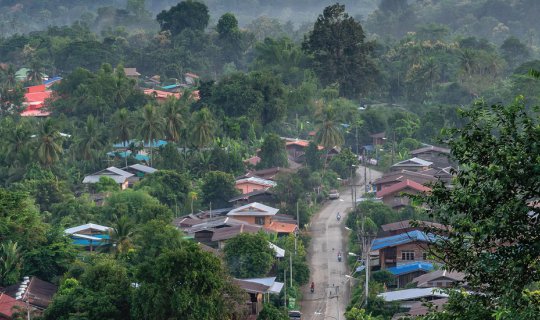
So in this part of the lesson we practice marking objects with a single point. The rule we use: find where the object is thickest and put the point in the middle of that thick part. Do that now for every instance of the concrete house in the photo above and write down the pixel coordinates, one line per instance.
(250, 184)
(254, 213)
(118, 175)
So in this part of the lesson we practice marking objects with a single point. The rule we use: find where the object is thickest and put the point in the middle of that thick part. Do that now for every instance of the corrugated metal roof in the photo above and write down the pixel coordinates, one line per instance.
(413, 162)
(86, 227)
(280, 253)
(410, 267)
(253, 209)
(402, 238)
(143, 168)
(411, 294)
(257, 180)
(400, 186)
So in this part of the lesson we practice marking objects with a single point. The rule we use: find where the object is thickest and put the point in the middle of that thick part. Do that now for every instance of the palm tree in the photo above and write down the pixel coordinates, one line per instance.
(49, 144)
(10, 263)
(328, 134)
(9, 80)
(121, 235)
(174, 121)
(203, 128)
(17, 141)
(122, 128)
(192, 197)
(152, 126)
(91, 138)
(35, 74)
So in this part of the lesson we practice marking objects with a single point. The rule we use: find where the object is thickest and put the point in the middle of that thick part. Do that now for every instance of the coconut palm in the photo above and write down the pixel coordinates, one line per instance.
(17, 141)
(192, 195)
(122, 127)
(9, 80)
(91, 139)
(34, 73)
(121, 235)
(10, 263)
(174, 120)
(152, 126)
(49, 145)
(328, 133)
(203, 128)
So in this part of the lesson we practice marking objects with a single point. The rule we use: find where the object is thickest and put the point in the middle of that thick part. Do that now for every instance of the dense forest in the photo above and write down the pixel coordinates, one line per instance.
(336, 73)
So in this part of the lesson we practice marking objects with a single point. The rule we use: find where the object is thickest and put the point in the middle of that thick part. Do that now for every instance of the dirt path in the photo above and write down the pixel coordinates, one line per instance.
(328, 237)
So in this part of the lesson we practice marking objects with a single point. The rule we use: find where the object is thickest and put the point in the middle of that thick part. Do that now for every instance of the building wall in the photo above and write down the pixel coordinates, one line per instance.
(247, 187)
(392, 256)
(404, 279)
(252, 219)
(395, 200)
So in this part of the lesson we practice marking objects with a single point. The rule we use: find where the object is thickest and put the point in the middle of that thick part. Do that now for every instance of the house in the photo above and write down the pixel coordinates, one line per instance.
(191, 78)
(254, 213)
(160, 95)
(439, 278)
(259, 290)
(8, 306)
(221, 235)
(378, 138)
(403, 248)
(262, 196)
(138, 171)
(296, 148)
(408, 297)
(395, 228)
(395, 196)
(437, 155)
(269, 173)
(247, 185)
(132, 73)
(390, 178)
(421, 308)
(282, 228)
(405, 273)
(89, 235)
(118, 175)
(34, 101)
(443, 174)
(413, 164)
(34, 291)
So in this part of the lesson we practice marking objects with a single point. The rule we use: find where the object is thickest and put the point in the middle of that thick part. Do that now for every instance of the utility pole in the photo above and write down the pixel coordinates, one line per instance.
(290, 266)
(285, 281)
(365, 170)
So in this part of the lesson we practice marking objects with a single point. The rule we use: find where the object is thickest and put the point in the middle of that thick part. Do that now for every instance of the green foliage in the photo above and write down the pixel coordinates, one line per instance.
(185, 15)
(169, 187)
(492, 203)
(102, 292)
(270, 312)
(273, 153)
(217, 188)
(167, 291)
(300, 267)
(10, 263)
(337, 45)
(106, 184)
(248, 255)
(137, 205)
(359, 314)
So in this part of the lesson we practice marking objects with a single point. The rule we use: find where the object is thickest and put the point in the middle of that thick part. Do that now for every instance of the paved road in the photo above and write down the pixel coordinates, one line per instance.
(328, 237)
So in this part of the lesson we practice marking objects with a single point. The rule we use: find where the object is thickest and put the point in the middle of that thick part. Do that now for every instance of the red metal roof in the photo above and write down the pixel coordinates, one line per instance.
(281, 227)
(7, 304)
(402, 185)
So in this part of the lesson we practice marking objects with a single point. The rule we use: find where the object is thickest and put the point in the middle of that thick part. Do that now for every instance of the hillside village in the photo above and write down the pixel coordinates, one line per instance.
(179, 165)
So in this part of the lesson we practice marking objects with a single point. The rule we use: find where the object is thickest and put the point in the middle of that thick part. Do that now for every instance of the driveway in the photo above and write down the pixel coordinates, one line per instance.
(328, 237)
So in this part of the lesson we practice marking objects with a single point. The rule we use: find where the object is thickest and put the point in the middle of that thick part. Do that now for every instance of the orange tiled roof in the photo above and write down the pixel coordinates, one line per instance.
(402, 185)
(281, 227)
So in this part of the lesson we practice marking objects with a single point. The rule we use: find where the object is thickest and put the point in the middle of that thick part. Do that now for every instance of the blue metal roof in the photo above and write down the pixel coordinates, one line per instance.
(402, 238)
(411, 267)
(83, 242)
(52, 80)
(171, 86)
(124, 154)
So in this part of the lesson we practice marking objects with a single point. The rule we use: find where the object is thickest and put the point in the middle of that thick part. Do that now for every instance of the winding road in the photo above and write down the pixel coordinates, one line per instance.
(328, 237)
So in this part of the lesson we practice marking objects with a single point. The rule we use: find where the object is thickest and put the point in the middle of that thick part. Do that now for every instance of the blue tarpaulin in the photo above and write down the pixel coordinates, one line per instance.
(411, 267)
(402, 238)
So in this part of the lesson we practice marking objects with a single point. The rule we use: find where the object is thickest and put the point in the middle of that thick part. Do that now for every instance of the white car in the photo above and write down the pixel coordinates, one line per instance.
(333, 194)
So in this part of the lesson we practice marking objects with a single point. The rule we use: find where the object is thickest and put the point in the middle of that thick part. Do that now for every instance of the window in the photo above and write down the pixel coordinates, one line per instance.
(424, 255)
(407, 255)
(259, 220)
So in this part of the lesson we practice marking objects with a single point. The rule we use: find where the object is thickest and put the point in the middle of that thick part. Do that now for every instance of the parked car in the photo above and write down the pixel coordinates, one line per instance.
(333, 194)
(295, 315)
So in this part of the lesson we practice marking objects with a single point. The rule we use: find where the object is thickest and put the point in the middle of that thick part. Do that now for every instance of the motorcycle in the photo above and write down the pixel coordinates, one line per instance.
(339, 257)
(338, 217)
(312, 287)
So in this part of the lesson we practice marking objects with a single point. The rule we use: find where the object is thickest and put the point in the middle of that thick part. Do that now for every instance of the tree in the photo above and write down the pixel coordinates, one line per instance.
(184, 283)
(169, 187)
(121, 235)
(217, 188)
(10, 263)
(102, 292)
(185, 15)
(91, 139)
(49, 145)
(248, 255)
(35, 75)
(203, 128)
(137, 205)
(152, 127)
(123, 126)
(313, 156)
(514, 52)
(491, 211)
(174, 120)
(339, 52)
(273, 152)
(359, 314)
(269, 312)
